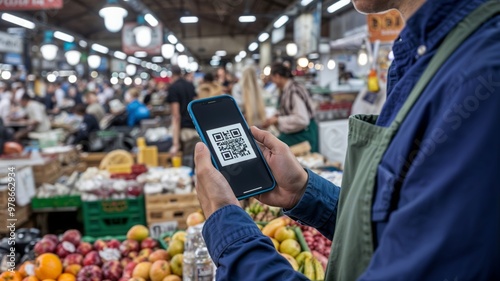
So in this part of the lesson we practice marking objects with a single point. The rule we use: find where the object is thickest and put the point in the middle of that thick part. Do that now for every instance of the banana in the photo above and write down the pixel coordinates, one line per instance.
(302, 257)
(320, 272)
(309, 269)
(272, 226)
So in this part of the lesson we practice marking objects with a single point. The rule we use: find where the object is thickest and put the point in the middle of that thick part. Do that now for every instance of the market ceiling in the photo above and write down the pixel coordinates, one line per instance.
(218, 26)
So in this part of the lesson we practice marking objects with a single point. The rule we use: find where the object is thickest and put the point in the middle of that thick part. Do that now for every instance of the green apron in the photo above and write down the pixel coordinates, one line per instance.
(309, 134)
(352, 246)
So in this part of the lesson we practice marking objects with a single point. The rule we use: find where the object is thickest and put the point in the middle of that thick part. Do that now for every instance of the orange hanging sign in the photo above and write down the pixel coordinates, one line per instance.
(385, 27)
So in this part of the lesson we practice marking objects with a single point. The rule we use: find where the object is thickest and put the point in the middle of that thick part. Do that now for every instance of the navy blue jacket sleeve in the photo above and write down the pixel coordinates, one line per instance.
(447, 224)
(318, 205)
(240, 250)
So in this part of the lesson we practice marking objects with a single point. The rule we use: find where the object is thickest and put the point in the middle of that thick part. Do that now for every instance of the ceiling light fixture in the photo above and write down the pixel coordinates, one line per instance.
(221, 53)
(242, 54)
(94, 61)
(49, 49)
(305, 2)
(263, 36)
(215, 58)
(247, 18)
(281, 21)
(131, 69)
(331, 64)
(141, 54)
(72, 54)
(157, 59)
(172, 39)
(189, 19)
(180, 48)
(143, 33)
(253, 46)
(237, 58)
(18, 21)
(183, 61)
(338, 5)
(83, 43)
(100, 48)
(64, 36)
(151, 20)
(113, 15)
(303, 62)
(167, 51)
(120, 55)
(134, 60)
(292, 49)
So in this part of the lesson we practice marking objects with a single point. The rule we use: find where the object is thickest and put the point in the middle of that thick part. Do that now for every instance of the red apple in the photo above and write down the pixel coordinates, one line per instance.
(124, 279)
(45, 245)
(157, 255)
(52, 237)
(90, 273)
(84, 248)
(149, 242)
(92, 258)
(133, 254)
(112, 270)
(65, 248)
(73, 236)
(113, 243)
(129, 269)
(125, 261)
(73, 259)
(128, 246)
(100, 245)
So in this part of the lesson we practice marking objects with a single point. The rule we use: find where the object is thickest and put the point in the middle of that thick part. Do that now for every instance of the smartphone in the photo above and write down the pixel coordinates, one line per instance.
(235, 153)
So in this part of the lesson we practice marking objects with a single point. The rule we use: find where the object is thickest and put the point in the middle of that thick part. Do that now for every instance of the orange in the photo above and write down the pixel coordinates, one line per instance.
(48, 266)
(11, 276)
(48, 280)
(30, 278)
(66, 277)
(22, 268)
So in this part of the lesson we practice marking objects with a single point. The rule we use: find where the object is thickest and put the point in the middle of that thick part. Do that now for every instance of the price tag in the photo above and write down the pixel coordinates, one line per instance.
(158, 229)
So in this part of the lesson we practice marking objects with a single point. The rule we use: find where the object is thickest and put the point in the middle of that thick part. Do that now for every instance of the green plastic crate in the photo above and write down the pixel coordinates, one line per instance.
(112, 217)
(65, 201)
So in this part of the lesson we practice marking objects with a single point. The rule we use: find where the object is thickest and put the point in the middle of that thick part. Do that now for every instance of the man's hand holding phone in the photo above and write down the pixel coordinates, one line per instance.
(214, 191)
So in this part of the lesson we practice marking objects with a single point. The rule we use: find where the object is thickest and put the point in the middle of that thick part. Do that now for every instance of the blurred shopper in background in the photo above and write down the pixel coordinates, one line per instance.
(295, 118)
(248, 95)
(94, 108)
(88, 124)
(38, 121)
(209, 87)
(136, 110)
(5, 102)
(180, 93)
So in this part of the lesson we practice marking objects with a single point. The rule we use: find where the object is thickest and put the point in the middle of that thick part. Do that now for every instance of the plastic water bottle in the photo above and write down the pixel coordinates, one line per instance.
(198, 265)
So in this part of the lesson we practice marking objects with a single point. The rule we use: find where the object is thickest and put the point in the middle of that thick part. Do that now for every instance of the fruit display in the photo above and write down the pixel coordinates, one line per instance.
(261, 212)
(69, 258)
(286, 241)
(319, 245)
(167, 180)
(95, 184)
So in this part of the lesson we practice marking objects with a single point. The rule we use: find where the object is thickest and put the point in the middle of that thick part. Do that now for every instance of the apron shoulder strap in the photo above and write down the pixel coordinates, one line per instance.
(454, 39)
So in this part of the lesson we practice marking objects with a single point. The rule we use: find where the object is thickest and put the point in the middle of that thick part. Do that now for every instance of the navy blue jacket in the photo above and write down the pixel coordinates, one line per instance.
(436, 211)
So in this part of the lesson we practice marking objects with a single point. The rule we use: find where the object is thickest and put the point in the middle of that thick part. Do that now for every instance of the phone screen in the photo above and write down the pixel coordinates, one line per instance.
(232, 146)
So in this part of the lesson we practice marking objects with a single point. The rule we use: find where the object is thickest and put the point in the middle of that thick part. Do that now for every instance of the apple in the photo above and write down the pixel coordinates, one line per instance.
(73, 236)
(51, 237)
(137, 279)
(145, 253)
(176, 264)
(113, 244)
(92, 258)
(157, 255)
(195, 219)
(73, 269)
(73, 259)
(65, 248)
(290, 247)
(100, 245)
(45, 245)
(138, 233)
(128, 246)
(124, 261)
(129, 269)
(149, 242)
(90, 273)
(112, 270)
(84, 248)
(142, 270)
(172, 277)
(133, 254)
(159, 270)
(283, 233)
(124, 279)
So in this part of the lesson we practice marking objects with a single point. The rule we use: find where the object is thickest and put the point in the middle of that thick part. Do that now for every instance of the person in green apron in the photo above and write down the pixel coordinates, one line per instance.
(295, 118)
(420, 196)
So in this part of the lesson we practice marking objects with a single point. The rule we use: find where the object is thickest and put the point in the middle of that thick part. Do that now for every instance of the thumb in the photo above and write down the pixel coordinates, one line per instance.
(202, 158)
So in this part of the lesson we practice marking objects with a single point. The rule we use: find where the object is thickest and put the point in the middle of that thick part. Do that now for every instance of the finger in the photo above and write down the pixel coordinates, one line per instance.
(266, 138)
(203, 160)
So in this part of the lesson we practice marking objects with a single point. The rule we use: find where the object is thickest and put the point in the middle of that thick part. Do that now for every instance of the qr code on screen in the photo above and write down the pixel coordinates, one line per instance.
(231, 145)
